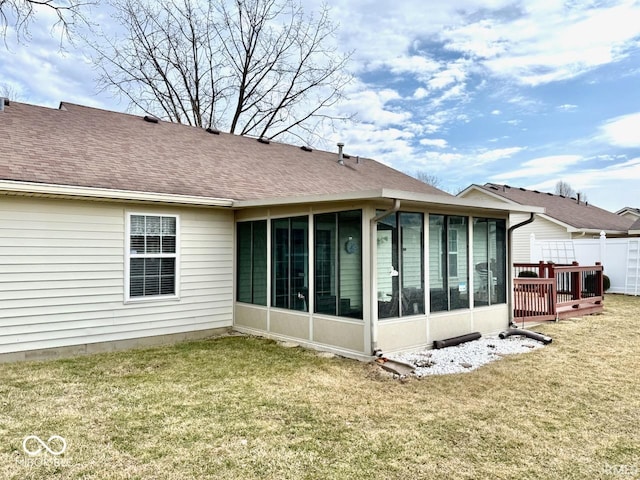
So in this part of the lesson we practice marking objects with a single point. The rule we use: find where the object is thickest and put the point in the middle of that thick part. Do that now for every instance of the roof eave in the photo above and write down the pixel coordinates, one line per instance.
(384, 194)
(73, 191)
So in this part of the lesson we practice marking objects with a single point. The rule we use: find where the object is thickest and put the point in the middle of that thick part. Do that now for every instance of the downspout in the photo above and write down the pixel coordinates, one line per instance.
(509, 264)
(373, 317)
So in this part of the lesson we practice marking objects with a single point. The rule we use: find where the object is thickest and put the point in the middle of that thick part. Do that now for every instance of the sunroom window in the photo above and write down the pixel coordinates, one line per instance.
(338, 263)
(251, 284)
(290, 263)
(400, 276)
(448, 269)
(489, 261)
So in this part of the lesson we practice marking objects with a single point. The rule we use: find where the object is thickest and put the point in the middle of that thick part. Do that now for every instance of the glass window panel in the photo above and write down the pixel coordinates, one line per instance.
(152, 225)
(137, 225)
(169, 244)
(388, 265)
(136, 286)
(244, 262)
(481, 265)
(412, 271)
(498, 260)
(151, 285)
(167, 285)
(137, 267)
(325, 263)
(168, 226)
(280, 263)
(438, 294)
(299, 264)
(259, 277)
(167, 266)
(151, 266)
(459, 284)
(350, 264)
(153, 244)
(136, 244)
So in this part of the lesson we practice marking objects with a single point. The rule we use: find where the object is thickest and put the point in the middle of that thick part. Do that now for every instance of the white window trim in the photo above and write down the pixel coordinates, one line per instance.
(127, 259)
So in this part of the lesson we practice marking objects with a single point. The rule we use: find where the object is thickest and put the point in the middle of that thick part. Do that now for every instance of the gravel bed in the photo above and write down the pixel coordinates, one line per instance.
(466, 356)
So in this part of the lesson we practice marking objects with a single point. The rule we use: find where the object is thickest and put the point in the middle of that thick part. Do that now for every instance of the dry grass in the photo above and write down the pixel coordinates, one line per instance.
(242, 408)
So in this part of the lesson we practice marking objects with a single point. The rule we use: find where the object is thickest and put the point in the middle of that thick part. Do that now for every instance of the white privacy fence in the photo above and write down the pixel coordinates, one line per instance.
(620, 258)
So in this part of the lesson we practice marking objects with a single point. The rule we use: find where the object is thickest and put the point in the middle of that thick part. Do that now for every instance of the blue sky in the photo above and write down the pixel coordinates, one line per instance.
(522, 93)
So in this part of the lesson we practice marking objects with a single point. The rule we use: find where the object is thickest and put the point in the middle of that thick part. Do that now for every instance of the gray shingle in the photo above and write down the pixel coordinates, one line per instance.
(580, 215)
(83, 146)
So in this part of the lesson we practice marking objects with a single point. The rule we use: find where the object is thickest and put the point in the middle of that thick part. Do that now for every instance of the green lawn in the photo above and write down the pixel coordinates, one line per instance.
(242, 408)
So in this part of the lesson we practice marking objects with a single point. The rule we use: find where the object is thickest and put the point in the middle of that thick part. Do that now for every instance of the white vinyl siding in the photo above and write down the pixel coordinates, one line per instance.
(62, 274)
(543, 230)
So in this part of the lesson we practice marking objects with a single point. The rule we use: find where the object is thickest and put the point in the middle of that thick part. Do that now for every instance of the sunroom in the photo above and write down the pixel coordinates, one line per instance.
(384, 270)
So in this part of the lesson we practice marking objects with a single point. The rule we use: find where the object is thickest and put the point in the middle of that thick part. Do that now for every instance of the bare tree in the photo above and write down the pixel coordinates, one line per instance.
(18, 14)
(8, 91)
(252, 67)
(564, 188)
(428, 178)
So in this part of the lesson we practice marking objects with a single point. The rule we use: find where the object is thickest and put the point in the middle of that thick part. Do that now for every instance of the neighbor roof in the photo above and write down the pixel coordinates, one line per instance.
(578, 214)
(632, 210)
(88, 147)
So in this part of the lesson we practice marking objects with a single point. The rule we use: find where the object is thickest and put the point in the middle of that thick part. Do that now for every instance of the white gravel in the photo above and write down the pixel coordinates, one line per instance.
(466, 356)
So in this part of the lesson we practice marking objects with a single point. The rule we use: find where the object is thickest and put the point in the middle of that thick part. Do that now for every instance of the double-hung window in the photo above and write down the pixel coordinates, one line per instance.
(152, 256)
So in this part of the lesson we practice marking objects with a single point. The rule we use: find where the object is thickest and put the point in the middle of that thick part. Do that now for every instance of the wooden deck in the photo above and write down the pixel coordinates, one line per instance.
(560, 292)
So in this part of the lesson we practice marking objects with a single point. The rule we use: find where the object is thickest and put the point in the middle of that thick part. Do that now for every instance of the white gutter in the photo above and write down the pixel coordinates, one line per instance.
(72, 191)
(374, 277)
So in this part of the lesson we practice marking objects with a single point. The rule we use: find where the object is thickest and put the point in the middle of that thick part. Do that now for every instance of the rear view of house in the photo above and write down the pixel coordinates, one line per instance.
(118, 230)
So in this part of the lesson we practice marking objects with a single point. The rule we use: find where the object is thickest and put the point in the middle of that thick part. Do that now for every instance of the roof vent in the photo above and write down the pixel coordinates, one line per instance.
(523, 189)
(214, 131)
(306, 149)
(340, 154)
(4, 101)
(264, 140)
(150, 119)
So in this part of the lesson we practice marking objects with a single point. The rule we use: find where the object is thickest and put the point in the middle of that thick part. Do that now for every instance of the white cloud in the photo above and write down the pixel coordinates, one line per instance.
(622, 131)
(488, 156)
(371, 106)
(495, 112)
(539, 167)
(549, 41)
(567, 107)
(433, 142)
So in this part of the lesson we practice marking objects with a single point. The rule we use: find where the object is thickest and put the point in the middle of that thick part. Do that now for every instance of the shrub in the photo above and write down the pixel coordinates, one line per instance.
(590, 283)
(528, 274)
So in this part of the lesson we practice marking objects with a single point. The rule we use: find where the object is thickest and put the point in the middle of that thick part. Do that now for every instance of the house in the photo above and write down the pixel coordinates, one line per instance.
(629, 212)
(563, 218)
(118, 230)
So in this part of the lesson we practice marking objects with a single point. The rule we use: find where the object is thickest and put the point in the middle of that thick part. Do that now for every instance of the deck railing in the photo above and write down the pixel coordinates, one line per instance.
(559, 291)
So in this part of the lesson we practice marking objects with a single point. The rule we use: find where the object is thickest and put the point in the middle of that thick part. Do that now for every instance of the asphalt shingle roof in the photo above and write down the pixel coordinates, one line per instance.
(570, 211)
(83, 146)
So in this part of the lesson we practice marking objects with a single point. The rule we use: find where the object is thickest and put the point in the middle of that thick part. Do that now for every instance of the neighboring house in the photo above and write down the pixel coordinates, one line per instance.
(563, 219)
(629, 212)
(118, 231)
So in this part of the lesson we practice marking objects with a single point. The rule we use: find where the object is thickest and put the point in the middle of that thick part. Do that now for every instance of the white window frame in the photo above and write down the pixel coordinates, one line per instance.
(128, 255)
